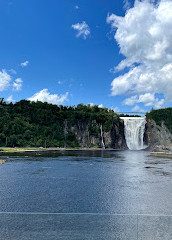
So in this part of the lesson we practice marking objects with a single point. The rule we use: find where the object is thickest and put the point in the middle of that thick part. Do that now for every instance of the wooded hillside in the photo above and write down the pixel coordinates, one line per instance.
(37, 124)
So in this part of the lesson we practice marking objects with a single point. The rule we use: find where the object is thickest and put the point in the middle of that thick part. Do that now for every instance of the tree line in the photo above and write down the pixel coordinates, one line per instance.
(160, 115)
(38, 124)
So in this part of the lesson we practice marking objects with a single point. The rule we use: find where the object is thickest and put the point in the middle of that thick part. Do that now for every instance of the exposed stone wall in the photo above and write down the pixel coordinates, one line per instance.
(112, 139)
(157, 136)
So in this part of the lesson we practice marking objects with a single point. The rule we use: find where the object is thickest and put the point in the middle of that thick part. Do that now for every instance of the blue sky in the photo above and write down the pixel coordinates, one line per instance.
(40, 50)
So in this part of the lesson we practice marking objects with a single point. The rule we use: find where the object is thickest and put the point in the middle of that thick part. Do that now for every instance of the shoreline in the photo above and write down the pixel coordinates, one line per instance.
(161, 154)
(5, 151)
(20, 150)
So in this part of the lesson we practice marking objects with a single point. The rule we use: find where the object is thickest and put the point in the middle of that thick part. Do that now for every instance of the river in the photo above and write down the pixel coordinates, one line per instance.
(86, 195)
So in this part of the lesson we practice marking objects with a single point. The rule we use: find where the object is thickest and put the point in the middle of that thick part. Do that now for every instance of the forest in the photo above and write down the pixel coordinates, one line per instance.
(38, 124)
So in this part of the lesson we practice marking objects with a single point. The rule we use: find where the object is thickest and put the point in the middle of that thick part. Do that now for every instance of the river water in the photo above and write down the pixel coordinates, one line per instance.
(86, 195)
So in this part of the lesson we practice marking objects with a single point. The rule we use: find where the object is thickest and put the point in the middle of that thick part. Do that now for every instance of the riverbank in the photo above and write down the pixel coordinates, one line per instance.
(162, 154)
(2, 161)
(14, 150)
(18, 149)
(54, 152)
(48, 152)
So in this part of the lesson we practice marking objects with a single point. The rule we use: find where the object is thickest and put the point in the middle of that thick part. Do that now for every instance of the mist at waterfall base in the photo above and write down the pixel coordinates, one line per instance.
(134, 128)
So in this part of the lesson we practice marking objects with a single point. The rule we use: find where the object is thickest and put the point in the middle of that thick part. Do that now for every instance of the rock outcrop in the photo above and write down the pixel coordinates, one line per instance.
(114, 138)
(157, 136)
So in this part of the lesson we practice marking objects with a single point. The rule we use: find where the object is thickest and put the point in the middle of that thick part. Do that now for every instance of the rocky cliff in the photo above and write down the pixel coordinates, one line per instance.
(157, 136)
(89, 135)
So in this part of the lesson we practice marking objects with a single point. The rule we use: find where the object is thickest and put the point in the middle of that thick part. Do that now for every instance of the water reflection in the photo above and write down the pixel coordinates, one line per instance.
(123, 182)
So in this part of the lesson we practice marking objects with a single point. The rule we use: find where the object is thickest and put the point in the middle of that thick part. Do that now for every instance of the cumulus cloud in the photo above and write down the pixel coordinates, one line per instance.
(83, 30)
(127, 4)
(17, 84)
(45, 96)
(10, 99)
(5, 80)
(138, 109)
(93, 104)
(24, 64)
(148, 99)
(144, 37)
(100, 106)
(115, 109)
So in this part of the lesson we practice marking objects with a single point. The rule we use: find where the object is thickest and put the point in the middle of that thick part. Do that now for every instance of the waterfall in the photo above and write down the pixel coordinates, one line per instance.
(101, 132)
(134, 128)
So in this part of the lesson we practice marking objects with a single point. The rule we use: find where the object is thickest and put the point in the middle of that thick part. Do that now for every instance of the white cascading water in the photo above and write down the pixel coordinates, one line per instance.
(101, 133)
(134, 128)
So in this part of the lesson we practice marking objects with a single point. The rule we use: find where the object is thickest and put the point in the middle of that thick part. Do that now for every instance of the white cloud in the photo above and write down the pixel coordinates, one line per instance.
(17, 84)
(91, 104)
(10, 99)
(138, 109)
(130, 101)
(5, 80)
(159, 103)
(13, 71)
(76, 7)
(100, 106)
(82, 29)
(45, 96)
(127, 4)
(115, 109)
(144, 37)
(24, 64)
(148, 99)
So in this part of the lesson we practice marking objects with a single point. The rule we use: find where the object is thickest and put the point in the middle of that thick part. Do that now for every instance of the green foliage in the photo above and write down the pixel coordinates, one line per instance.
(37, 124)
(161, 115)
(93, 129)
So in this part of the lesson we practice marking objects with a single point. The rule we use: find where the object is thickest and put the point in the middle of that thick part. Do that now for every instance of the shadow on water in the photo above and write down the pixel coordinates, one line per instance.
(86, 181)
(72, 155)
(56, 153)
(132, 159)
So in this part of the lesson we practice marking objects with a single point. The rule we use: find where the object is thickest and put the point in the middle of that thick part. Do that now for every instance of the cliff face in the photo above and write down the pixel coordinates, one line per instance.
(114, 138)
(157, 136)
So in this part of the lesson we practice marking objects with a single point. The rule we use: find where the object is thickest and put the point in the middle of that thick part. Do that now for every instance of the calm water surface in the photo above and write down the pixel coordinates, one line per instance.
(100, 182)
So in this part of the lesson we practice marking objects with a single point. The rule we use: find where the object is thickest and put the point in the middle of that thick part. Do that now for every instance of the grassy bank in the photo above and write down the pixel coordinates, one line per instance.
(18, 149)
(2, 161)
(161, 154)
(15, 150)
